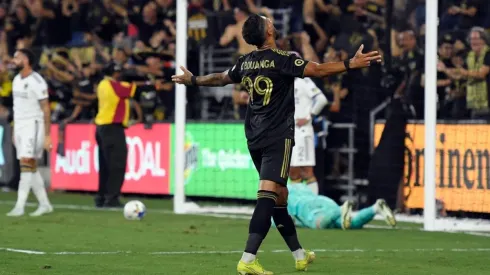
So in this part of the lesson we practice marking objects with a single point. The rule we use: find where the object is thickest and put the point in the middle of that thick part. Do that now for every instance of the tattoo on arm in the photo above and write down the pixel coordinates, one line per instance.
(218, 79)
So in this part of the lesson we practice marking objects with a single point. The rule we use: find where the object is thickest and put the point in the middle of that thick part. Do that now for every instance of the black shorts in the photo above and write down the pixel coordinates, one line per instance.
(272, 162)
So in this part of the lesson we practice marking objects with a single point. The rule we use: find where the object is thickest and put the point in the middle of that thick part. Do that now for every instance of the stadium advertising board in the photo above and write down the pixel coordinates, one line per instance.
(147, 170)
(462, 166)
(218, 163)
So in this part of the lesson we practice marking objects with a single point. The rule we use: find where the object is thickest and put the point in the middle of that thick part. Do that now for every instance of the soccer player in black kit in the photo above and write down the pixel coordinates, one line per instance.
(268, 74)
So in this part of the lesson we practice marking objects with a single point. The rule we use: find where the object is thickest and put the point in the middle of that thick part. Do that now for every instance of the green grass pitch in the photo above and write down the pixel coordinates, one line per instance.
(90, 241)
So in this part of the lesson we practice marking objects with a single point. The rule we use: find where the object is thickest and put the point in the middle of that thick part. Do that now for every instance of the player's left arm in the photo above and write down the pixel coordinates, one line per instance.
(360, 60)
(210, 80)
(43, 97)
(47, 122)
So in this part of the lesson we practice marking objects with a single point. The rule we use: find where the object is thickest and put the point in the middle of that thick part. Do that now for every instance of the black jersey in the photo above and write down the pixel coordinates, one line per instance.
(268, 76)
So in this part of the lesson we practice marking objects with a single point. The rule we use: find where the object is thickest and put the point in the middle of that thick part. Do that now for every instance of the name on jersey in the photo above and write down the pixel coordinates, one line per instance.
(255, 65)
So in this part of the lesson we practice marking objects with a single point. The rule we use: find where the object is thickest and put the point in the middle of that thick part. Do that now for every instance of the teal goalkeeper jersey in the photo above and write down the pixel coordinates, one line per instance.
(305, 207)
(301, 202)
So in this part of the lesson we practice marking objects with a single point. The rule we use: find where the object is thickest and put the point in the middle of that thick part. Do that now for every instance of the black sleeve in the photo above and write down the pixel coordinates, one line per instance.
(294, 66)
(234, 72)
(486, 60)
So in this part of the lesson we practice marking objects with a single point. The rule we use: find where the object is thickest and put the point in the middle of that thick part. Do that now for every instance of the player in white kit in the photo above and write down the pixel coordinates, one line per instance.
(309, 102)
(31, 131)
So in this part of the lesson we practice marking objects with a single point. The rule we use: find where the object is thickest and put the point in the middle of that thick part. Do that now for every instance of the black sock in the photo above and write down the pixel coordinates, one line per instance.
(286, 227)
(261, 220)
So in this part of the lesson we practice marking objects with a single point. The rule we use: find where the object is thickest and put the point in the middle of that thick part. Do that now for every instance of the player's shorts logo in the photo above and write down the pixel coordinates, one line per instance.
(299, 62)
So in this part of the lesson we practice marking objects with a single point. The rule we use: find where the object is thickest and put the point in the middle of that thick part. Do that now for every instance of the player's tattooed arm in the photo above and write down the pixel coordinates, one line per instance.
(47, 122)
(212, 80)
(360, 60)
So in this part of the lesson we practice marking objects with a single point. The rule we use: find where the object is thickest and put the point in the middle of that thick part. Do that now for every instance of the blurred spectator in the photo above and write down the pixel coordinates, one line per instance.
(198, 23)
(477, 72)
(412, 61)
(19, 26)
(166, 10)
(445, 52)
(460, 14)
(234, 32)
(220, 5)
(147, 21)
(106, 19)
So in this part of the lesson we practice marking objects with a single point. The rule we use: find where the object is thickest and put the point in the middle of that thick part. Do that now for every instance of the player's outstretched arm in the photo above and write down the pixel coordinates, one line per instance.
(360, 60)
(213, 80)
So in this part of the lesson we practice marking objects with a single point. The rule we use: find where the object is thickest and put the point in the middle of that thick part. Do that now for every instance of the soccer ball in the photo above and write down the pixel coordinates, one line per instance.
(134, 210)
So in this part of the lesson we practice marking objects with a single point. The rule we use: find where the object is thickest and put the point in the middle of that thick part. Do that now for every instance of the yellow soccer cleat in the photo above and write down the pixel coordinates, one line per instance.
(346, 215)
(253, 268)
(302, 265)
(310, 255)
(384, 210)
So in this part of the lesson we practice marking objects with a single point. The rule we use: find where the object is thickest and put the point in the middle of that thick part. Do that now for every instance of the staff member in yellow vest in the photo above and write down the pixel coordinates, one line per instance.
(111, 120)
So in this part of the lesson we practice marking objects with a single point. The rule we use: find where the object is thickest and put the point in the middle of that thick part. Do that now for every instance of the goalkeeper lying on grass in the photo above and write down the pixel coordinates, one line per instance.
(320, 212)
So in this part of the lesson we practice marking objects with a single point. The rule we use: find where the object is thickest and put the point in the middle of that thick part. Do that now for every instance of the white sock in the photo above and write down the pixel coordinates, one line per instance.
(313, 186)
(39, 189)
(299, 254)
(24, 188)
(248, 257)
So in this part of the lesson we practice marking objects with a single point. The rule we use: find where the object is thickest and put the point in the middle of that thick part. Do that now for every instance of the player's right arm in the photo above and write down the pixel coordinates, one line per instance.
(360, 60)
(210, 80)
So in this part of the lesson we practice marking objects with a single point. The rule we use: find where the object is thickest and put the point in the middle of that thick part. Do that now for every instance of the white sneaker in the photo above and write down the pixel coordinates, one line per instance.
(385, 211)
(16, 212)
(41, 210)
(346, 214)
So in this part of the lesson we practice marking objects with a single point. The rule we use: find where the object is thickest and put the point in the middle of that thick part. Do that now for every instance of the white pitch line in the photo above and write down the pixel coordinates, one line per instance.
(24, 251)
(356, 250)
(90, 253)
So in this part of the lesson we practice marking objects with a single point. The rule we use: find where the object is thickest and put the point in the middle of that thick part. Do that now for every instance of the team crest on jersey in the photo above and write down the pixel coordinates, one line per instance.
(299, 62)
(26, 85)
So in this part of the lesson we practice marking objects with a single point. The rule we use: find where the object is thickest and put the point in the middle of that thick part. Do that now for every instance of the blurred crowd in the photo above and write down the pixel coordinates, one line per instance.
(74, 39)
(462, 89)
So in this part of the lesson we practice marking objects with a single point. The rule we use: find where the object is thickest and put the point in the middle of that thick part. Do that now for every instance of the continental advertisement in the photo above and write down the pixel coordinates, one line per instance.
(217, 160)
(462, 166)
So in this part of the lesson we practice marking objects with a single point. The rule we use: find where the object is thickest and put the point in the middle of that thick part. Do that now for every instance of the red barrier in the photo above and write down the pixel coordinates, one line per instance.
(147, 170)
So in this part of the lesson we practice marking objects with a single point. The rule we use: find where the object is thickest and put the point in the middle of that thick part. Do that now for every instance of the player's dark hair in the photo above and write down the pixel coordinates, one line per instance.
(254, 30)
(31, 57)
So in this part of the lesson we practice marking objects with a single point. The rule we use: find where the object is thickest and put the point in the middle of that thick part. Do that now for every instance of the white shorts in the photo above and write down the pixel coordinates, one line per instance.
(29, 138)
(304, 147)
